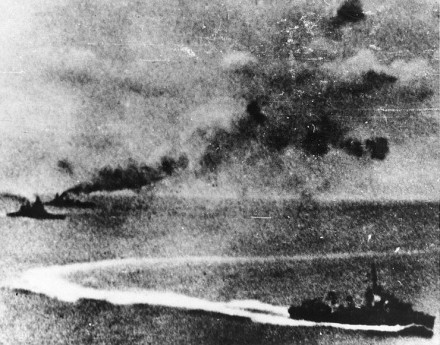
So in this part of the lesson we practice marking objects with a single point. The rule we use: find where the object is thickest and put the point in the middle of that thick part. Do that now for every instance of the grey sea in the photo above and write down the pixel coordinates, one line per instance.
(273, 252)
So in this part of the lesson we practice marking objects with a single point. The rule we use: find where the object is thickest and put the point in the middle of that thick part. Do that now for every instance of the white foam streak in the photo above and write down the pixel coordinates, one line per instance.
(53, 282)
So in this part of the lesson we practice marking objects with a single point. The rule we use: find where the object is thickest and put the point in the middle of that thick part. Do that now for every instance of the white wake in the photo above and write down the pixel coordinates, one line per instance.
(53, 282)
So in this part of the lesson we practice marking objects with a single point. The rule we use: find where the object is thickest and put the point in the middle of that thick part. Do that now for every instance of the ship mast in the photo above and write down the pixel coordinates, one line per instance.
(374, 276)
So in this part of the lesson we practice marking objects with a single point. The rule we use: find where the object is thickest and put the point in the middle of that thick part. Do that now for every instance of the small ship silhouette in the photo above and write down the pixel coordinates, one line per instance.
(380, 307)
(35, 210)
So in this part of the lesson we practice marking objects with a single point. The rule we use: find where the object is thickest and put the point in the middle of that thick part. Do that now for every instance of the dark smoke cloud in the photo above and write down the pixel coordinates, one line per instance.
(223, 142)
(255, 113)
(278, 132)
(374, 80)
(378, 147)
(289, 103)
(133, 176)
(15, 197)
(368, 82)
(65, 166)
(353, 147)
(313, 107)
(350, 11)
(170, 165)
(100, 97)
(320, 135)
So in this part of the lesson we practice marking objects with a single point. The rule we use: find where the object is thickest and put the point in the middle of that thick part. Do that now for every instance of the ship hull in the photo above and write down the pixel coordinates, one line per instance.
(414, 323)
(36, 216)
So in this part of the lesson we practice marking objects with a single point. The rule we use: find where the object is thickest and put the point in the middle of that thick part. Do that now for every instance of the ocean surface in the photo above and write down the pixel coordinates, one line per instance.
(117, 255)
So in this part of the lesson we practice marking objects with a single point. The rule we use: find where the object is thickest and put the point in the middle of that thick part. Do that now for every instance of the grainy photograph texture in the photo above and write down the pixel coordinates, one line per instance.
(219, 172)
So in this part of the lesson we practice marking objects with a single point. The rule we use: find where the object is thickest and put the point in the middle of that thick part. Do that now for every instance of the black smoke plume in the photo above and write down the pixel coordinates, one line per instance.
(353, 147)
(320, 135)
(170, 165)
(133, 176)
(255, 113)
(217, 150)
(223, 142)
(289, 124)
(369, 82)
(65, 166)
(65, 200)
(375, 80)
(15, 197)
(350, 11)
(377, 147)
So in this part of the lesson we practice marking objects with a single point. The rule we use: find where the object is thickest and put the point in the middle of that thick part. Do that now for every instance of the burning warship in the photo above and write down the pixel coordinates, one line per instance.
(66, 201)
(35, 210)
(380, 308)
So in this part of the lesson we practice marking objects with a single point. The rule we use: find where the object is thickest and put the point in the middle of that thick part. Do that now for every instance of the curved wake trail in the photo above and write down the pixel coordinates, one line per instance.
(53, 282)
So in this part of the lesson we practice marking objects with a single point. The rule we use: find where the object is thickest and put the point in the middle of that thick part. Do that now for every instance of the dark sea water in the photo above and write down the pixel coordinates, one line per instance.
(166, 228)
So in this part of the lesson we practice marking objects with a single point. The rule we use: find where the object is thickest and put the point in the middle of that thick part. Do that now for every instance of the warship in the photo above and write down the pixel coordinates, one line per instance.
(35, 210)
(379, 308)
(66, 201)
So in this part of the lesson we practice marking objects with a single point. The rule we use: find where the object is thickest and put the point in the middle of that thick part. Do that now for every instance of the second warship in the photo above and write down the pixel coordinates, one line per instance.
(35, 210)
